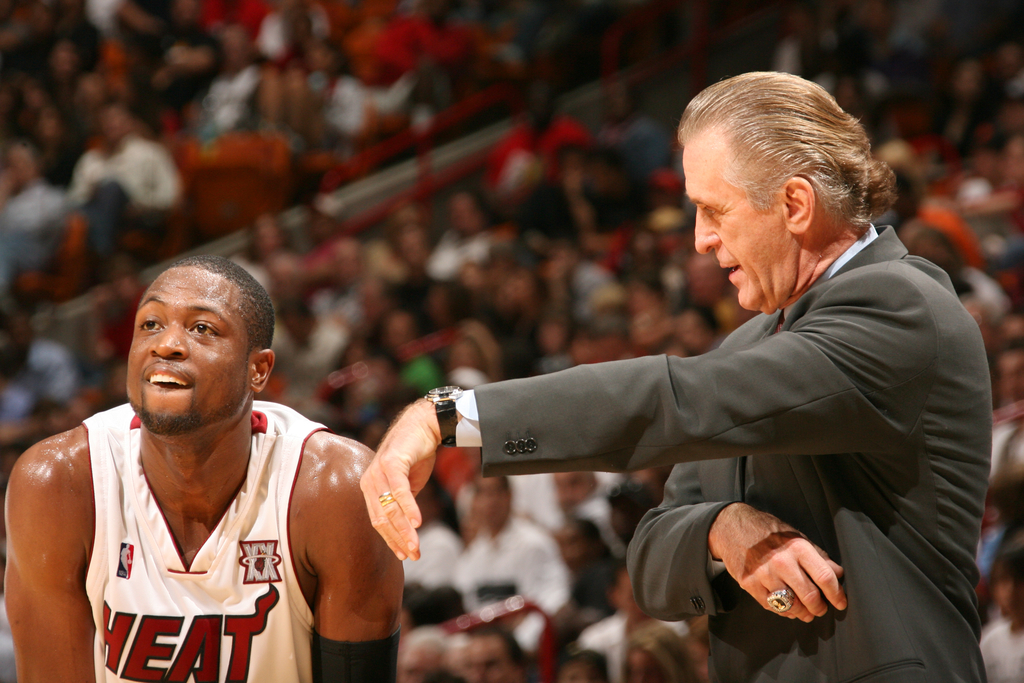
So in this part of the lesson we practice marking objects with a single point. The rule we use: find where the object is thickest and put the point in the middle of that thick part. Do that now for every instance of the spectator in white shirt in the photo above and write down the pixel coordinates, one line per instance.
(127, 177)
(509, 556)
(1002, 641)
(580, 496)
(468, 240)
(610, 636)
(230, 102)
(31, 214)
(440, 545)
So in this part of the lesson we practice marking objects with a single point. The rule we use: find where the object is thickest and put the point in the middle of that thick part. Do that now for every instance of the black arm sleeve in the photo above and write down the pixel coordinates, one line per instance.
(371, 661)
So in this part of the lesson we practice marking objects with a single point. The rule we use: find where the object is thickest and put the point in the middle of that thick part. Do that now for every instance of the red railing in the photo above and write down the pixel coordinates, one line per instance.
(1010, 413)
(422, 139)
(547, 648)
(695, 49)
(642, 18)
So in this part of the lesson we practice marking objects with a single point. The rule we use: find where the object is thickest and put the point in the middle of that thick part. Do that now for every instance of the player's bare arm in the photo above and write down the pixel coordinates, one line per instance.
(350, 578)
(49, 541)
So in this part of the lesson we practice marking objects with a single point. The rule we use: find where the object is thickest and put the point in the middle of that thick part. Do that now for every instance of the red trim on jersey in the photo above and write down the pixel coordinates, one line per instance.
(174, 540)
(258, 422)
(92, 492)
(288, 521)
(181, 556)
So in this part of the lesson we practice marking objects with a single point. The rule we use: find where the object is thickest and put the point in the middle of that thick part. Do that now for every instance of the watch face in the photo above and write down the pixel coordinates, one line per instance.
(443, 393)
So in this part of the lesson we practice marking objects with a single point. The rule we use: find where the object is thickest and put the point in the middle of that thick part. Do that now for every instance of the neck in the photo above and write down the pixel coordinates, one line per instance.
(815, 259)
(194, 477)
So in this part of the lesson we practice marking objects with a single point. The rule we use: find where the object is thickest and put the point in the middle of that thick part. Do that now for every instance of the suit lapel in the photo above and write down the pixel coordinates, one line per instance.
(724, 479)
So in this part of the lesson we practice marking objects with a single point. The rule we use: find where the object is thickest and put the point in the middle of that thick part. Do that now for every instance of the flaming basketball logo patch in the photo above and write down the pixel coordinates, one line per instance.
(260, 559)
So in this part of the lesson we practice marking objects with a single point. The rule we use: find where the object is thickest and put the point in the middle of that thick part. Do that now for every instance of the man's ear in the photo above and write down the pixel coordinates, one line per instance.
(261, 363)
(799, 204)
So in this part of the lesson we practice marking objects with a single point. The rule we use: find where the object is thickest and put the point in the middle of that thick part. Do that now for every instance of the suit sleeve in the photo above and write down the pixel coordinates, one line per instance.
(672, 540)
(852, 374)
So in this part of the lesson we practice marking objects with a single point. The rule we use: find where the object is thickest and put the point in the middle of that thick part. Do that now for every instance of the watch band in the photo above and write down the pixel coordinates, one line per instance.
(447, 420)
(443, 399)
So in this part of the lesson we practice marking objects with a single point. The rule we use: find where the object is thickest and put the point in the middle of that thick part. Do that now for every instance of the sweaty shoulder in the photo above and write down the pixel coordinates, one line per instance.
(51, 489)
(333, 462)
(350, 579)
(327, 488)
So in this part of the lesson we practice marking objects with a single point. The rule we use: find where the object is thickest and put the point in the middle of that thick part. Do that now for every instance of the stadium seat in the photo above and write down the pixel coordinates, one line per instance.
(234, 179)
(67, 272)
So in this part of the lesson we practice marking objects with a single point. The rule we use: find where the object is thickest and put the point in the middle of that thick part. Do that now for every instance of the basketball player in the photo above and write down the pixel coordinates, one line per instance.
(194, 534)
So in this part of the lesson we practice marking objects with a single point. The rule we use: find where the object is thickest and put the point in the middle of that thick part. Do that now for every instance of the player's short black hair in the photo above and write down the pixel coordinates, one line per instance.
(254, 304)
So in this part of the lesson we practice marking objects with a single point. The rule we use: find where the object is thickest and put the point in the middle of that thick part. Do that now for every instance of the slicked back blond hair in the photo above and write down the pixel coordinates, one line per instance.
(780, 126)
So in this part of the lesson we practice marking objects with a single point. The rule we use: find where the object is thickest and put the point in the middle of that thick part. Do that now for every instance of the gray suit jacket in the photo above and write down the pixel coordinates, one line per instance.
(865, 424)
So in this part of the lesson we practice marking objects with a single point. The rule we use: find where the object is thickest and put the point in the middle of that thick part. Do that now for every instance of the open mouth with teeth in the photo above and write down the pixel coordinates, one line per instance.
(166, 381)
(733, 269)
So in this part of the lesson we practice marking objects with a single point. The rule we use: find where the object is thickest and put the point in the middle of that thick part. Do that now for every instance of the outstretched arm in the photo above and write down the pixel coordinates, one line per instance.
(401, 467)
(350, 578)
(49, 541)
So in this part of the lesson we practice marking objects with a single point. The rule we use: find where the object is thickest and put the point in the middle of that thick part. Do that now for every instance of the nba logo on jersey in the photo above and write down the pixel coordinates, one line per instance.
(124, 563)
(260, 560)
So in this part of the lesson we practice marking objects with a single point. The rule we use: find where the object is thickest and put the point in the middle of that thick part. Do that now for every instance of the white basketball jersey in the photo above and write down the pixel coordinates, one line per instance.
(237, 612)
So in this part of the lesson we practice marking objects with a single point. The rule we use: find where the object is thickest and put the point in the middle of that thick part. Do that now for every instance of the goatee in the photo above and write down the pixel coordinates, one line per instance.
(163, 424)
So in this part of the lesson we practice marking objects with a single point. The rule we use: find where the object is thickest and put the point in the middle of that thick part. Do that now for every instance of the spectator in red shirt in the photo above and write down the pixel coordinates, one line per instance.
(216, 14)
(423, 40)
(528, 153)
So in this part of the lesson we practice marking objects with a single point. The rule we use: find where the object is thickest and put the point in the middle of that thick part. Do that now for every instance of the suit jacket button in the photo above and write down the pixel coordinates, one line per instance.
(698, 604)
(531, 445)
(510, 447)
(521, 445)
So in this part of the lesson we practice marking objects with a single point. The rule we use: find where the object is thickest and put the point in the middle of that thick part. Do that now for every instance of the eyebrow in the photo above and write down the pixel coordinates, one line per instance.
(193, 307)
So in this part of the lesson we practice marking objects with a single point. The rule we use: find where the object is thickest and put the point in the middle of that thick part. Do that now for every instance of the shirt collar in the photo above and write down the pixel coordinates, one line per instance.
(867, 238)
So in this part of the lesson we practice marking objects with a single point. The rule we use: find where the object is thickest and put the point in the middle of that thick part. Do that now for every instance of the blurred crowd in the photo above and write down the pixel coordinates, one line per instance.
(100, 100)
(575, 246)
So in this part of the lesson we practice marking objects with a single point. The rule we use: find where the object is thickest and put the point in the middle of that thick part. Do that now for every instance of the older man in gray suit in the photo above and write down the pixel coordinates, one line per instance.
(832, 454)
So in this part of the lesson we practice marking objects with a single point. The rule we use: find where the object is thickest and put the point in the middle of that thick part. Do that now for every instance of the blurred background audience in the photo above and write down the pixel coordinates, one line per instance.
(132, 131)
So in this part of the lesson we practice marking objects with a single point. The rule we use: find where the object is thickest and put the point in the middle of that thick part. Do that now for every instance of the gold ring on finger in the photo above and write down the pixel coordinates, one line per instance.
(781, 600)
(386, 499)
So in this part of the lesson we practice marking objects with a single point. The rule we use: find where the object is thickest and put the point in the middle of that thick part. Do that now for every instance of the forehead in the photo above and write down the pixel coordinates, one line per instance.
(195, 288)
(705, 159)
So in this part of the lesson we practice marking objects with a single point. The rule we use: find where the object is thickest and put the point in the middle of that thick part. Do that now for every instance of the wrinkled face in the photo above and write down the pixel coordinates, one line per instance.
(188, 363)
(755, 247)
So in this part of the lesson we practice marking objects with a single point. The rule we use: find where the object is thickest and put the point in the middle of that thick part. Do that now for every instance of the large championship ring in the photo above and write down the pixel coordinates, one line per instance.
(781, 601)
(443, 399)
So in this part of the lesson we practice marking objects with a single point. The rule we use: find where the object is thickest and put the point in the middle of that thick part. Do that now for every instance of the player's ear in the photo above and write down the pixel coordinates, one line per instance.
(260, 365)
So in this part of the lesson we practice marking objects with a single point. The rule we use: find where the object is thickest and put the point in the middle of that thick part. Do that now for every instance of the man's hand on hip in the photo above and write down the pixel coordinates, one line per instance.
(764, 554)
(400, 468)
